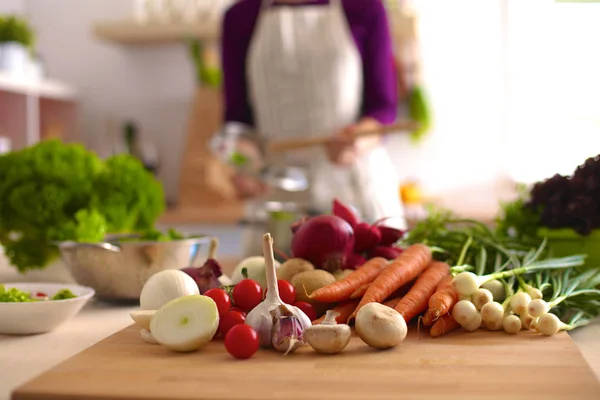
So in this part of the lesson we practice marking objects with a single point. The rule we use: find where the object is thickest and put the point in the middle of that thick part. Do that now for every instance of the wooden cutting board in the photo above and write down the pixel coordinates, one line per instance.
(481, 365)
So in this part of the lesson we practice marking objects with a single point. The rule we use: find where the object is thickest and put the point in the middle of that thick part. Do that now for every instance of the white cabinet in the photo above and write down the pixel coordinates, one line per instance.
(31, 110)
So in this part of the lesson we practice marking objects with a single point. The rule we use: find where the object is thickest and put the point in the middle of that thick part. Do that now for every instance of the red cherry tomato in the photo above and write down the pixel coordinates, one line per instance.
(229, 320)
(238, 310)
(308, 309)
(221, 298)
(241, 341)
(287, 292)
(247, 294)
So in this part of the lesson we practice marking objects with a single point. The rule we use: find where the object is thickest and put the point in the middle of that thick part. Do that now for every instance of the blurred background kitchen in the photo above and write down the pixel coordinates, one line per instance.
(511, 89)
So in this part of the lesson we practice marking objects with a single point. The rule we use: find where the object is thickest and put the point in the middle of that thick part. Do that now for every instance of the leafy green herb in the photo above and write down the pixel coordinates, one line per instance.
(441, 229)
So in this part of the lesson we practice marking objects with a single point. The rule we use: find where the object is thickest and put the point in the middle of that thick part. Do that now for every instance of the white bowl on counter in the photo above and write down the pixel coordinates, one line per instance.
(37, 317)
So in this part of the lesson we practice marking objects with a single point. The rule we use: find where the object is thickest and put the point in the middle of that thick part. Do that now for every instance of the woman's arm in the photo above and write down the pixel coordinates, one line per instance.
(380, 100)
(236, 34)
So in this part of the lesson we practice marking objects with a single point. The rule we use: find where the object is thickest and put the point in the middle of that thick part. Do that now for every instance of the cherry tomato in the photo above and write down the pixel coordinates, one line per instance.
(247, 294)
(238, 310)
(229, 320)
(241, 341)
(287, 292)
(221, 298)
(308, 309)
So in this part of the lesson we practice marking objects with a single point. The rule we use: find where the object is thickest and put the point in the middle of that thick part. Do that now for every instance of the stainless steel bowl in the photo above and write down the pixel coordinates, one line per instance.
(118, 270)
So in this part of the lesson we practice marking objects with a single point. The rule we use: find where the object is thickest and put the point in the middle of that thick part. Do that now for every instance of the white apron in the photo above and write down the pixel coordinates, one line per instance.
(305, 78)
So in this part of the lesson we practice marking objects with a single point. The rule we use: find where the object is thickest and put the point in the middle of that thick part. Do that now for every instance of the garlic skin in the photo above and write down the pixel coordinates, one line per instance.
(263, 317)
(329, 337)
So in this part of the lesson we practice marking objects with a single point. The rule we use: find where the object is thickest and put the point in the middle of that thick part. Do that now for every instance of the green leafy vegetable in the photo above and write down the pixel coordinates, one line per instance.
(54, 191)
(13, 295)
(155, 235)
(63, 295)
(518, 221)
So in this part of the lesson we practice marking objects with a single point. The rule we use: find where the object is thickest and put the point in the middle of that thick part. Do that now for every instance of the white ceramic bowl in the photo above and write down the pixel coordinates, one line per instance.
(41, 316)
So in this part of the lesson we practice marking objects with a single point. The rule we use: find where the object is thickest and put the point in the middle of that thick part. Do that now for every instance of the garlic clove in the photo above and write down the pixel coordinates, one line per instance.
(287, 334)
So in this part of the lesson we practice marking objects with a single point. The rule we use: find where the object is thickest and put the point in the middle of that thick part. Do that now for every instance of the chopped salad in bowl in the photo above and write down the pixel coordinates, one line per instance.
(33, 308)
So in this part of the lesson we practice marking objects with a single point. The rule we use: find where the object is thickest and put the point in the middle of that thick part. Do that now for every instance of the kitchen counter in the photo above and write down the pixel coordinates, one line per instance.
(23, 358)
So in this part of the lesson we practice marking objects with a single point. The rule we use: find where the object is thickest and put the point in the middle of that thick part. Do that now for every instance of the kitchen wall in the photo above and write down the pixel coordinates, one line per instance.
(12, 6)
(152, 85)
(462, 51)
(464, 59)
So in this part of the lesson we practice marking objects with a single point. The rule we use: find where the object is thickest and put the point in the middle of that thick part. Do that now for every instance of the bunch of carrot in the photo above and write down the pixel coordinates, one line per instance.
(412, 284)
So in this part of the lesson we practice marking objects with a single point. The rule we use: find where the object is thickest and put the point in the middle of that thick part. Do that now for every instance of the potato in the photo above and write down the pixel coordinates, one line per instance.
(307, 282)
(292, 267)
(341, 274)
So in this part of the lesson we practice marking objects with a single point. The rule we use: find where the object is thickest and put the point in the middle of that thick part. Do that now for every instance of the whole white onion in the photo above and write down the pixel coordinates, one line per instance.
(165, 286)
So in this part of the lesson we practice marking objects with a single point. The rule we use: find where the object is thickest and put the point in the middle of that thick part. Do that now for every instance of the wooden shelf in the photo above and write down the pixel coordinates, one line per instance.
(128, 32)
(47, 89)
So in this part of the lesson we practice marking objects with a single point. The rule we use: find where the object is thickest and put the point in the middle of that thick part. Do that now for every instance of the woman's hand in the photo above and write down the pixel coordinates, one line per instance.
(344, 148)
(248, 187)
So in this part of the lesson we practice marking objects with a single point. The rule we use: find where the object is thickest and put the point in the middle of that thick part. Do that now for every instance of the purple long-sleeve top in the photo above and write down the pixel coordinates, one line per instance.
(369, 26)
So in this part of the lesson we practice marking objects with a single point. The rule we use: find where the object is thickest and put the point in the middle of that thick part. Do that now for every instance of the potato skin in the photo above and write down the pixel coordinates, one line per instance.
(307, 282)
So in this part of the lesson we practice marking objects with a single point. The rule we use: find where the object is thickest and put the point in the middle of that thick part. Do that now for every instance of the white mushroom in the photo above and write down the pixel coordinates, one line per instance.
(329, 337)
(380, 326)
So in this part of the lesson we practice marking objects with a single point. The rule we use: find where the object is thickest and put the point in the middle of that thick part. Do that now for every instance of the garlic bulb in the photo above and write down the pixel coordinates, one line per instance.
(165, 286)
(273, 314)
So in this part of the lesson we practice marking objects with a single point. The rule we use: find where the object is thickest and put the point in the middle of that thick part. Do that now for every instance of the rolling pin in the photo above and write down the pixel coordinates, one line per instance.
(285, 145)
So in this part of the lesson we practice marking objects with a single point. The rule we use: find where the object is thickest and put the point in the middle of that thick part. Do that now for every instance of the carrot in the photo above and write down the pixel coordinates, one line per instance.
(444, 325)
(341, 290)
(392, 302)
(417, 299)
(444, 298)
(345, 309)
(404, 289)
(428, 318)
(402, 270)
(360, 292)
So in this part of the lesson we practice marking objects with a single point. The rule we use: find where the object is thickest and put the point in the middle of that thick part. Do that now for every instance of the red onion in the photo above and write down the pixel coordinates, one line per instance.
(366, 237)
(354, 261)
(389, 236)
(298, 223)
(345, 213)
(207, 276)
(325, 241)
(389, 253)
